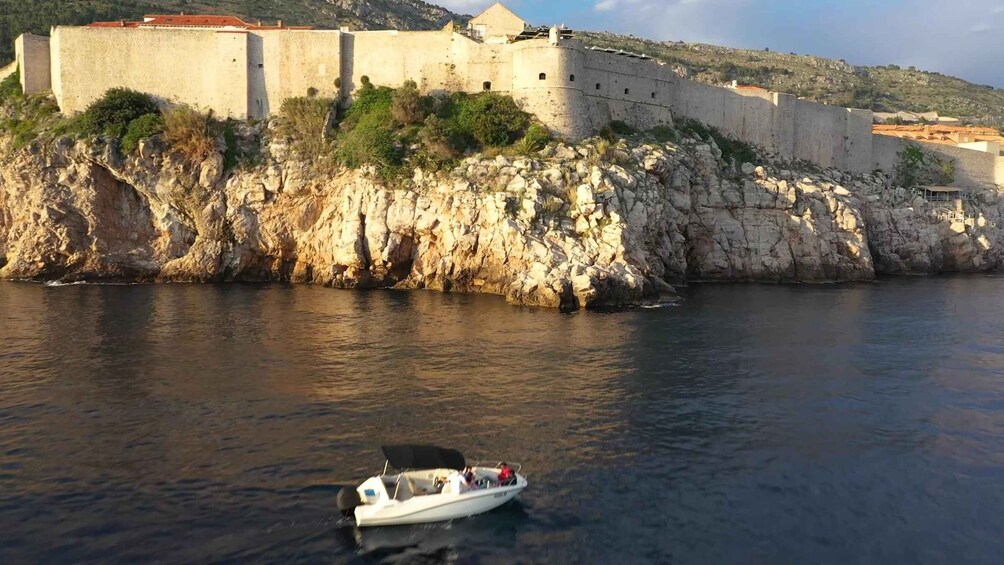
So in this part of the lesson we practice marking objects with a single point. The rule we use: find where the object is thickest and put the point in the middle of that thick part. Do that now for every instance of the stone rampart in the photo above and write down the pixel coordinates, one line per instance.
(32, 57)
(572, 89)
(9, 69)
(202, 68)
(287, 63)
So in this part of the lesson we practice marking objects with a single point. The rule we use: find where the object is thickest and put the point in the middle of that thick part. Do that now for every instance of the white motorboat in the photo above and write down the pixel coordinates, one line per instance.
(425, 488)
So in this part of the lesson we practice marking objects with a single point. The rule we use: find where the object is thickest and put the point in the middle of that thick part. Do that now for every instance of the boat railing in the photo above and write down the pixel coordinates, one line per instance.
(498, 464)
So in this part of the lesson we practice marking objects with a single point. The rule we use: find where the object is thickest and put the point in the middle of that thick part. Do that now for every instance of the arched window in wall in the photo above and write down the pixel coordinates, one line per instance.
(487, 85)
(571, 78)
(543, 76)
(653, 96)
(627, 91)
(598, 86)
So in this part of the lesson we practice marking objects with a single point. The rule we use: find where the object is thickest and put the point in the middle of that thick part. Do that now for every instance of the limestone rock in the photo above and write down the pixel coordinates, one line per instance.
(551, 230)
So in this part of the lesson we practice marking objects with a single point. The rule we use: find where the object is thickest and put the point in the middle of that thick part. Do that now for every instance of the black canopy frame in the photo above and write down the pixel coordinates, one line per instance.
(423, 457)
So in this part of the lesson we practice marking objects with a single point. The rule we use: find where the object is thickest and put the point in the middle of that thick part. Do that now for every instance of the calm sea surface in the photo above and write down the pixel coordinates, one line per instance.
(748, 424)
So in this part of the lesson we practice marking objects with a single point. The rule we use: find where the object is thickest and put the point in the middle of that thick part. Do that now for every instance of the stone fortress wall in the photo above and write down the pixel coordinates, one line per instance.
(247, 73)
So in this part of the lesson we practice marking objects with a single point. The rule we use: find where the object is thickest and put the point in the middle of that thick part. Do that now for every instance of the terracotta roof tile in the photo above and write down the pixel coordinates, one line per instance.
(185, 20)
(935, 133)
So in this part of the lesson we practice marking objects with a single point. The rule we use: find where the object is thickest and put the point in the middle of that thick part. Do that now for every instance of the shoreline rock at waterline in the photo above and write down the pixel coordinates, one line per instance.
(568, 228)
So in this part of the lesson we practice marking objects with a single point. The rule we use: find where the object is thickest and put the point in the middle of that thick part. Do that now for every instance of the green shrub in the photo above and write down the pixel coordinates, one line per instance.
(536, 137)
(370, 142)
(307, 122)
(112, 113)
(10, 87)
(142, 127)
(621, 128)
(916, 167)
(369, 100)
(232, 151)
(490, 119)
(732, 149)
(437, 139)
(664, 134)
(190, 132)
(30, 116)
(408, 106)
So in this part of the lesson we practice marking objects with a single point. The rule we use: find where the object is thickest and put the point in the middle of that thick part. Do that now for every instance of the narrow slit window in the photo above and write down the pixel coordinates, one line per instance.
(571, 78)
(653, 96)
(627, 91)
(598, 86)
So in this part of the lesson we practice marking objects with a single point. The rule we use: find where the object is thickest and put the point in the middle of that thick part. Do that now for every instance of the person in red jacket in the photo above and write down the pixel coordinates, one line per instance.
(506, 476)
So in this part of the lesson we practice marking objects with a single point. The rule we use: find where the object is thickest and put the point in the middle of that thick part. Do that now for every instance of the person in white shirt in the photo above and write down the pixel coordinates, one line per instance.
(455, 483)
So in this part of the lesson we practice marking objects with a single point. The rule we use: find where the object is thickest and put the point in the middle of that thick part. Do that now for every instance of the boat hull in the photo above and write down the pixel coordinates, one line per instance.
(437, 507)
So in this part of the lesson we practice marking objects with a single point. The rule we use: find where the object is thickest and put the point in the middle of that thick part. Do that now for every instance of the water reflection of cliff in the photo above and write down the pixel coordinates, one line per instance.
(181, 372)
(463, 370)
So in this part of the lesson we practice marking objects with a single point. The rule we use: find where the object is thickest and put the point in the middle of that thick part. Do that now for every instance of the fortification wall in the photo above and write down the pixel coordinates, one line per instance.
(9, 69)
(972, 168)
(479, 66)
(753, 118)
(575, 91)
(858, 140)
(286, 63)
(439, 61)
(389, 58)
(634, 91)
(819, 134)
(783, 126)
(32, 57)
(202, 68)
(546, 80)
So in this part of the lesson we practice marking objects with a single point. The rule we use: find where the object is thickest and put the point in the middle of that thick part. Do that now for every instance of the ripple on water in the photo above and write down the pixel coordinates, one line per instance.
(744, 423)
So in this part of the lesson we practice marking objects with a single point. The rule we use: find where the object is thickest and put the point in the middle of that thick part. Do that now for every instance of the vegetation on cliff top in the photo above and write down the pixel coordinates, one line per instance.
(391, 130)
(395, 130)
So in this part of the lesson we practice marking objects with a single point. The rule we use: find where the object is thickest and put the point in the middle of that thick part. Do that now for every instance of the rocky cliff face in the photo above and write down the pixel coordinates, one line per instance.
(568, 228)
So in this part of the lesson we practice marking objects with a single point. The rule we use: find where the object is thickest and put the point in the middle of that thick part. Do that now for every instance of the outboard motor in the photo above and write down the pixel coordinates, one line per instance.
(348, 499)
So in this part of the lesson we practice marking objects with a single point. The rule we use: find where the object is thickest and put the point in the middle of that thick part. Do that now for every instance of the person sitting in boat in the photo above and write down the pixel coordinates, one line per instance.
(455, 483)
(469, 477)
(506, 476)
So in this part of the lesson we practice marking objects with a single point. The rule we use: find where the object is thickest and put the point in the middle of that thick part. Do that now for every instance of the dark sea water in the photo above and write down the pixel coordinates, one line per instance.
(748, 424)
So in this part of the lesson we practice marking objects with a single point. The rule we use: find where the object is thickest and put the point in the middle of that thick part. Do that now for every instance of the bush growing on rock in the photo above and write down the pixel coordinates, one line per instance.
(307, 121)
(536, 137)
(733, 150)
(367, 135)
(10, 87)
(111, 114)
(408, 106)
(438, 144)
(142, 127)
(621, 128)
(29, 117)
(491, 119)
(664, 134)
(916, 167)
(190, 132)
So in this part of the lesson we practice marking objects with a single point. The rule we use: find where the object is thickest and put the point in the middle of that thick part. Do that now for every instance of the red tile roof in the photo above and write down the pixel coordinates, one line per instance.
(936, 133)
(183, 20)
